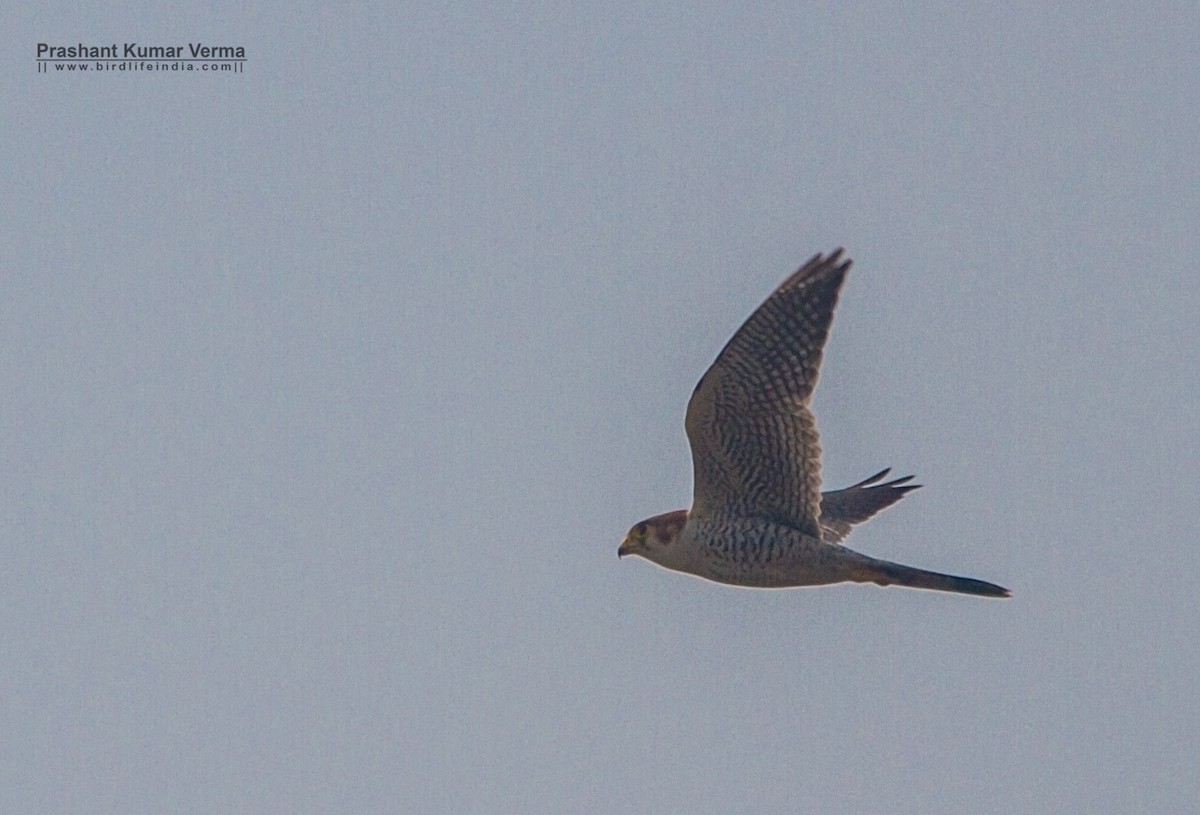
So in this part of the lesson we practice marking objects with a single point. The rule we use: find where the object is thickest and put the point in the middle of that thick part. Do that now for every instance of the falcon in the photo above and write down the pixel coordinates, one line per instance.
(758, 516)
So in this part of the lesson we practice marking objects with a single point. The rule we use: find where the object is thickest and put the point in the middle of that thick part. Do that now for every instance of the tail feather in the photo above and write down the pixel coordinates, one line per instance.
(893, 574)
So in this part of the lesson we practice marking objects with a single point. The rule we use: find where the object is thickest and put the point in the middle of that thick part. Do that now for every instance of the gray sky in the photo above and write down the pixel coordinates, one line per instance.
(333, 385)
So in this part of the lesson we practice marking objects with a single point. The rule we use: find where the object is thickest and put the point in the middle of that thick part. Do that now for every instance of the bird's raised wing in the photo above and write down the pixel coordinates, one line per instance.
(755, 448)
(842, 509)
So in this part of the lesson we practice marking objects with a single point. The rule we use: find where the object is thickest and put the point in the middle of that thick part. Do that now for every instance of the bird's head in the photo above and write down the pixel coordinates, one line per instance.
(653, 537)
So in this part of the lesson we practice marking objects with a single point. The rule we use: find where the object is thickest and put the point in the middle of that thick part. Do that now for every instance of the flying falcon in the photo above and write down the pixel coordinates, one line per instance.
(758, 516)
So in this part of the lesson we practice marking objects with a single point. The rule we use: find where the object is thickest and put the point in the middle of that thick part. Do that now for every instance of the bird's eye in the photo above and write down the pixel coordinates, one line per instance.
(640, 530)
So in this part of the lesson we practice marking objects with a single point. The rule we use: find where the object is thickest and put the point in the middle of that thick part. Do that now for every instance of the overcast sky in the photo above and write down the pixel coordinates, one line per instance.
(332, 386)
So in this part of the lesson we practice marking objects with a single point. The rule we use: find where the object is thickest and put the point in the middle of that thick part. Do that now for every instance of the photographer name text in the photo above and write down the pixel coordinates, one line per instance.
(131, 50)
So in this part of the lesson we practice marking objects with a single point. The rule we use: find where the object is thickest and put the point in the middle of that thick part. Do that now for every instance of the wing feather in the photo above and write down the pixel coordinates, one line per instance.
(843, 509)
(755, 447)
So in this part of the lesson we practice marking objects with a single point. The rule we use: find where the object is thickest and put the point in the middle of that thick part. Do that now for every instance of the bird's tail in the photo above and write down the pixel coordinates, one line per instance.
(886, 573)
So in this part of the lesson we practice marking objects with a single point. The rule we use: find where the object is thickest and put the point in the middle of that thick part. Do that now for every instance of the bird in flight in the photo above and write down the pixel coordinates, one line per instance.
(758, 516)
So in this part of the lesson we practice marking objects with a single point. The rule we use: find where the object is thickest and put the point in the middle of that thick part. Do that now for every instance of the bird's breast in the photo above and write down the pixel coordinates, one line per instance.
(760, 553)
